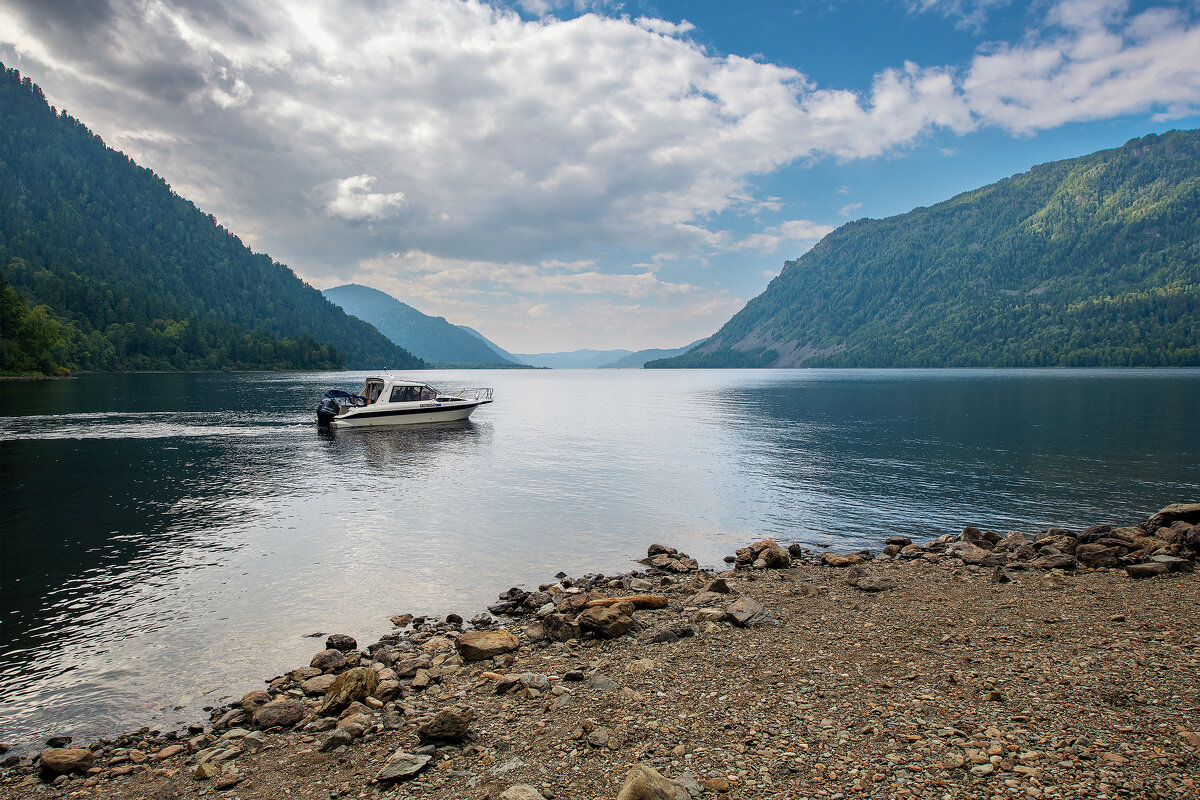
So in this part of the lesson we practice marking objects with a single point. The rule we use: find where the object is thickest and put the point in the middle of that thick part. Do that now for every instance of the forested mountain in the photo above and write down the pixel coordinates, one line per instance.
(495, 348)
(638, 359)
(105, 268)
(1092, 261)
(432, 338)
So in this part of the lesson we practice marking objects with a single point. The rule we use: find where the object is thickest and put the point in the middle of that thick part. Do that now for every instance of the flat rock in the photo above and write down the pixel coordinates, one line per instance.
(607, 622)
(746, 611)
(402, 766)
(478, 645)
(522, 791)
(318, 685)
(1148, 570)
(841, 559)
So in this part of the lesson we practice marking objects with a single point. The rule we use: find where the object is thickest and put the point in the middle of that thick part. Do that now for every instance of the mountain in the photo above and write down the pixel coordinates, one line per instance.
(432, 338)
(576, 359)
(105, 268)
(638, 359)
(1092, 261)
(497, 349)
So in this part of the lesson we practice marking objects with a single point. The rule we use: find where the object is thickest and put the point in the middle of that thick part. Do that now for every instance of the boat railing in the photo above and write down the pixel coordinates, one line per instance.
(480, 394)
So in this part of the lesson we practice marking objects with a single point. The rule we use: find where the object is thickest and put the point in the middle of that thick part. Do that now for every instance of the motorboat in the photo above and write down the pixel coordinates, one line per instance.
(387, 400)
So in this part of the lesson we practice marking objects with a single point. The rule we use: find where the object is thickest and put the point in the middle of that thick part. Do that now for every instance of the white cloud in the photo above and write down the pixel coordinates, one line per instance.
(354, 200)
(848, 209)
(796, 230)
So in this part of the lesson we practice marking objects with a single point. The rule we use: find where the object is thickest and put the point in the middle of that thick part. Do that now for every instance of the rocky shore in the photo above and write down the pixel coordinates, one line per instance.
(986, 664)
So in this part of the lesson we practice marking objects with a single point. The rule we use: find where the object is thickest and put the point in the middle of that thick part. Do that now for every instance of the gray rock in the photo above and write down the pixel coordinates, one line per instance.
(875, 583)
(746, 611)
(402, 766)
(645, 783)
(1174, 564)
(339, 737)
(607, 622)
(522, 791)
(599, 681)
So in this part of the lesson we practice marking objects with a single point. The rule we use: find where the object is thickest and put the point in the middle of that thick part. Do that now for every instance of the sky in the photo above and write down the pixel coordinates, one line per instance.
(564, 174)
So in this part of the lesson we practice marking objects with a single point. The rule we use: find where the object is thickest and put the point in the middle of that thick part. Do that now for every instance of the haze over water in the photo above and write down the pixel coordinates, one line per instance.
(170, 540)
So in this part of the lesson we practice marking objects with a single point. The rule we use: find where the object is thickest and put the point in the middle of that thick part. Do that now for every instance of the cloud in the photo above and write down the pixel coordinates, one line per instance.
(849, 209)
(354, 200)
(796, 230)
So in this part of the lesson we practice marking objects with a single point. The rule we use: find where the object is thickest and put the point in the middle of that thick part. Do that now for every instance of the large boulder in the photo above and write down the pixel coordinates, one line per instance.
(352, 686)
(969, 552)
(560, 628)
(282, 713)
(62, 760)
(329, 660)
(478, 645)
(647, 783)
(1097, 555)
(1188, 512)
(340, 641)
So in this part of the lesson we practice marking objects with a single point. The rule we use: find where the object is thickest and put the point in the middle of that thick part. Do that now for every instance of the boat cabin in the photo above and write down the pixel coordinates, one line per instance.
(390, 390)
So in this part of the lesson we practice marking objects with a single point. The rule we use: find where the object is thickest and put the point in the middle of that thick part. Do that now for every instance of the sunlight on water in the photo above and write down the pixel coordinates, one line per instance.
(171, 540)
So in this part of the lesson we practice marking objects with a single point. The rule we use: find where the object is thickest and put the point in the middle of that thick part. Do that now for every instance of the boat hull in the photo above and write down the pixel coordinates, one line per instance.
(367, 417)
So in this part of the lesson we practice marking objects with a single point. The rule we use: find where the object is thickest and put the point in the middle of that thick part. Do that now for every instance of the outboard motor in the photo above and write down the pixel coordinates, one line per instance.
(328, 409)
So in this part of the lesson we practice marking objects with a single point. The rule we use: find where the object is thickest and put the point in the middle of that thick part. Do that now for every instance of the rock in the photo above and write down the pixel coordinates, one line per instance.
(1001, 575)
(600, 681)
(1148, 570)
(1055, 561)
(875, 583)
(560, 628)
(329, 660)
(64, 760)
(522, 791)
(746, 611)
(402, 620)
(607, 622)
(338, 737)
(1187, 512)
(981, 539)
(448, 725)
(207, 770)
(705, 599)
(599, 737)
(665, 636)
(841, 560)
(1012, 542)
(318, 685)
(341, 642)
(1097, 555)
(252, 701)
(771, 554)
(1174, 564)
(478, 645)
(898, 541)
(660, 550)
(281, 713)
(53, 741)
(717, 586)
(646, 783)
(402, 766)
(354, 685)
(227, 781)
(169, 751)
(407, 667)
(638, 600)
(969, 552)
(387, 691)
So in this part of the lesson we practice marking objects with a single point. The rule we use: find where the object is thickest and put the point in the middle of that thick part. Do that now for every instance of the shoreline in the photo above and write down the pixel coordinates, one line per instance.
(603, 689)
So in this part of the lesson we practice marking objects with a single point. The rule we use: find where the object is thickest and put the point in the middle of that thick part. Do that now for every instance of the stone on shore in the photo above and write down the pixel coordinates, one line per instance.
(352, 686)
(746, 612)
(1148, 570)
(329, 660)
(281, 713)
(318, 685)
(402, 766)
(607, 622)
(478, 645)
(841, 560)
(448, 725)
(340, 641)
(64, 760)
(647, 783)
(522, 791)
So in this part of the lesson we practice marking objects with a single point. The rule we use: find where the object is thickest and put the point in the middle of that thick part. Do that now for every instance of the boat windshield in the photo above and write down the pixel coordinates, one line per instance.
(412, 394)
(372, 390)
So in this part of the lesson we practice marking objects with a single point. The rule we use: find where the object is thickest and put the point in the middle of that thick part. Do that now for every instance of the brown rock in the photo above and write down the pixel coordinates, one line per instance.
(1146, 570)
(329, 660)
(448, 725)
(1097, 555)
(638, 600)
(407, 667)
(646, 783)
(62, 760)
(607, 622)
(560, 628)
(169, 751)
(252, 701)
(478, 645)
(1188, 512)
(281, 713)
(318, 685)
(842, 559)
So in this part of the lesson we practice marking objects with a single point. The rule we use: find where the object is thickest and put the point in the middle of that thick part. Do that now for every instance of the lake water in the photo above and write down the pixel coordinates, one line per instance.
(170, 540)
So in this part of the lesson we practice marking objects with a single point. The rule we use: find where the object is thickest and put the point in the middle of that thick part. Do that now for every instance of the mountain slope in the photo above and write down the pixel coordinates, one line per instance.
(495, 348)
(575, 359)
(132, 276)
(432, 338)
(1092, 261)
(638, 360)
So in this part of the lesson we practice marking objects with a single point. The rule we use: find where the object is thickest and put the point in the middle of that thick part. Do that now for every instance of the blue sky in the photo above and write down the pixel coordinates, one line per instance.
(562, 174)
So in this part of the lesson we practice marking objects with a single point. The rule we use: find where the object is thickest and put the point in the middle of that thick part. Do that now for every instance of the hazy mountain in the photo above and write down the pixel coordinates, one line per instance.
(576, 359)
(1091, 261)
(495, 347)
(638, 359)
(103, 267)
(432, 338)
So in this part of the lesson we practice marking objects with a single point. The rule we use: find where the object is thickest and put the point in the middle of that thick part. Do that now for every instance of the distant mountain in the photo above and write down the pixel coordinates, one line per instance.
(432, 338)
(497, 349)
(1092, 261)
(103, 267)
(638, 359)
(576, 359)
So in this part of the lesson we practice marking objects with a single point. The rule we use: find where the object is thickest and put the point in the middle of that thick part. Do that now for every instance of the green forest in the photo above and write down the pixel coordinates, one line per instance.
(1088, 262)
(104, 268)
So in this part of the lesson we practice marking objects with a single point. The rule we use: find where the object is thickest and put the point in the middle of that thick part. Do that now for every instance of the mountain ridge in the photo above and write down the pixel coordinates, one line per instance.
(1091, 261)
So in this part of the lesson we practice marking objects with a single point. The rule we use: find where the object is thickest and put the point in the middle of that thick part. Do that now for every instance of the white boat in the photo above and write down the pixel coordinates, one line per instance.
(395, 401)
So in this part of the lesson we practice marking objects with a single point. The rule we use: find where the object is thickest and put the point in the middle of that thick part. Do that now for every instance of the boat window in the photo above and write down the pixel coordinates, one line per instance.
(428, 394)
(372, 391)
(404, 394)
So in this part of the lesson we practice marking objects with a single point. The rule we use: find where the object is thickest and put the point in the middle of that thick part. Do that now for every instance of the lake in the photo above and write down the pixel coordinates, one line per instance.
(168, 541)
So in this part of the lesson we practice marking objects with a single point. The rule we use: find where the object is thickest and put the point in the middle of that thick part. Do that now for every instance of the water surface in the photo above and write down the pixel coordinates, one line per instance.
(170, 540)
